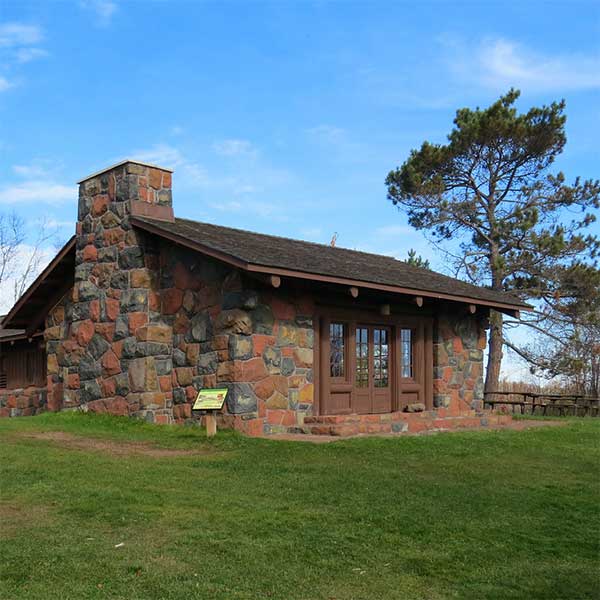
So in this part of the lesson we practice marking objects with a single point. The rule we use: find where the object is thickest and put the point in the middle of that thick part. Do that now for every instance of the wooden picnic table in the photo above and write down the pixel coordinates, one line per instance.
(563, 403)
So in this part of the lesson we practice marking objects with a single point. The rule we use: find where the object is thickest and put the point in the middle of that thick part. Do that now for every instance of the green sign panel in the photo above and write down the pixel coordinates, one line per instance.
(212, 399)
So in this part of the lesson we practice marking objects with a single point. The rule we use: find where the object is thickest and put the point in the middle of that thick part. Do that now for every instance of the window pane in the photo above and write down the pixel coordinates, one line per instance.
(362, 357)
(337, 335)
(406, 366)
(381, 364)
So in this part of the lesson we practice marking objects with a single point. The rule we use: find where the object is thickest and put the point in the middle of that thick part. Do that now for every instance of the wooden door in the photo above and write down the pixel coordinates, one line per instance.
(381, 380)
(372, 379)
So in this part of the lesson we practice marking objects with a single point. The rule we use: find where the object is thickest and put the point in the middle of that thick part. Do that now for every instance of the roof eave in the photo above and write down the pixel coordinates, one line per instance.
(506, 307)
(62, 253)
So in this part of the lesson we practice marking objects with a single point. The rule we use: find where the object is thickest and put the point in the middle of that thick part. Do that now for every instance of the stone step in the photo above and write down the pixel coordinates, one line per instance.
(398, 423)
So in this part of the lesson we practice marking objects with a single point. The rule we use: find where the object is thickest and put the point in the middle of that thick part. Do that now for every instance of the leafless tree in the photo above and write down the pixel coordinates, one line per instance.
(20, 262)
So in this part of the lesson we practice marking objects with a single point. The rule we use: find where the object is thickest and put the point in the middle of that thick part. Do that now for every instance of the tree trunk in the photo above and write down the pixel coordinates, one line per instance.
(492, 375)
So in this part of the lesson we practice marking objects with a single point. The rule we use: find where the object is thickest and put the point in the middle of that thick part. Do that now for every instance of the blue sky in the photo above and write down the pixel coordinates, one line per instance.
(281, 117)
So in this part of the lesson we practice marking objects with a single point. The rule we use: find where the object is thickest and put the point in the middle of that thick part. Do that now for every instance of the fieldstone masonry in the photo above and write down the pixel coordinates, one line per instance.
(147, 324)
(458, 345)
(234, 332)
(23, 402)
(107, 344)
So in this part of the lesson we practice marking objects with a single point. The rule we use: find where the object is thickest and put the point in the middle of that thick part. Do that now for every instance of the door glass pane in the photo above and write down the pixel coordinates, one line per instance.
(381, 355)
(337, 339)
(406, 366)
(362, 357)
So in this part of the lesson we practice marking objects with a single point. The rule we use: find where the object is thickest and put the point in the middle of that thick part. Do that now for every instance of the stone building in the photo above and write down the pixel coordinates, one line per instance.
(140, 310)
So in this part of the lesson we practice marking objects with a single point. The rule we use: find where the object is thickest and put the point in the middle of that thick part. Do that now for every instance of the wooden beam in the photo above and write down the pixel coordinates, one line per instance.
(275, 280)
(419, 301)
(353, 291)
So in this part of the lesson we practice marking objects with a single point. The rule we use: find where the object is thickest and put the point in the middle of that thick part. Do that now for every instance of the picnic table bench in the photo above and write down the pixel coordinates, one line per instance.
(528, 402)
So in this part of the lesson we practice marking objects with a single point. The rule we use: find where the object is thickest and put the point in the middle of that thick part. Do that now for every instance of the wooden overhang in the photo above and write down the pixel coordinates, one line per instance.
(275, 258)
(43, 294)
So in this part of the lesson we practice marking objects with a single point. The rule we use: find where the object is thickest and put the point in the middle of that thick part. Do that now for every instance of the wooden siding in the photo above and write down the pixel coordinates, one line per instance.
(22, 365)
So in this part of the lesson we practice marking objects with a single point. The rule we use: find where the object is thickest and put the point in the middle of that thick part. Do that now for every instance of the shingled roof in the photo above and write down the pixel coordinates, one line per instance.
(295, 258)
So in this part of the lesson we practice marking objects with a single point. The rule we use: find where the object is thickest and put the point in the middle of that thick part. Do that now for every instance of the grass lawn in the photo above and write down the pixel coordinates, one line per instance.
(491, 514)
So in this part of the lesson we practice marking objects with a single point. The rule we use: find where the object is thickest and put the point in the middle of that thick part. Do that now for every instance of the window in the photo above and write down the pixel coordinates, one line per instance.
(381, 354)
(362, 357)
(337, 349)
(406, 366)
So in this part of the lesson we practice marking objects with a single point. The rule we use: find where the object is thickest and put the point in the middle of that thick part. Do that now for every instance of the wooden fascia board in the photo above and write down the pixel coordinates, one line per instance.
(261, 269)
(384, 288)
(39, 280)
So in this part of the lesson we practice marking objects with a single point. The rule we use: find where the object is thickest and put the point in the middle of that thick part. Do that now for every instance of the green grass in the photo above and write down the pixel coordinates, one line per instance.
(466, 515)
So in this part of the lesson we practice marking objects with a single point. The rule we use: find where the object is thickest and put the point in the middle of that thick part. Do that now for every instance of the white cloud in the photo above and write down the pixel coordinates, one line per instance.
(248, 177)
(35, 169)
(25, 55)
(165, 155)
(17, 46)
(234, 148)
(47, 192)
(104, 9)
(338, 143)
(17, 34)
(5, 84)
(499, 63)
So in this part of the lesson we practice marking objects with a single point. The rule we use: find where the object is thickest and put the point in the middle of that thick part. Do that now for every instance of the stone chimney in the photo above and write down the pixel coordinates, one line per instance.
(118, 352)
(131, 188)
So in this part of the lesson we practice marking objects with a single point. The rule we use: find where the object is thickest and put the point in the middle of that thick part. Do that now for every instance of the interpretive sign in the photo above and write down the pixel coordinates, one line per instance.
(210, 399)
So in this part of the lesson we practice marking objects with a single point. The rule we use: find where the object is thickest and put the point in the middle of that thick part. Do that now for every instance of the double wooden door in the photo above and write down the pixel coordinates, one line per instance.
(372, 369)
(357, 367)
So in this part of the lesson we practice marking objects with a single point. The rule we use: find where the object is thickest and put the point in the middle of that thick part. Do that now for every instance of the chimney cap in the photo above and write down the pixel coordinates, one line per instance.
(124, 162)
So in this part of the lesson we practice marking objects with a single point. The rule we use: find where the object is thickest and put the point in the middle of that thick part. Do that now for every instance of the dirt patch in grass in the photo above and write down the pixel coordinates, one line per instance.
(14, 518)
(74, 442)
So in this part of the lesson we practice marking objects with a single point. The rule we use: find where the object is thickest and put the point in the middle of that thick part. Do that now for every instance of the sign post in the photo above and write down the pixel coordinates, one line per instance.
(208, 402)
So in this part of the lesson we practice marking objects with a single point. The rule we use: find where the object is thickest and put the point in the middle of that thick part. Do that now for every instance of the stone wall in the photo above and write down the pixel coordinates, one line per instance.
(23, 402)
(232, 331)
(458, 345)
